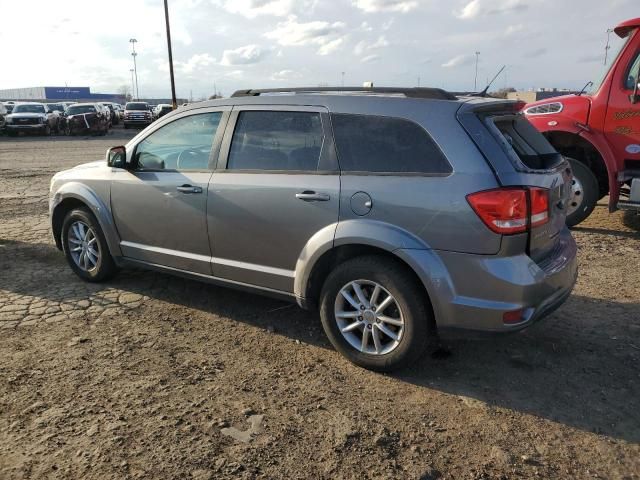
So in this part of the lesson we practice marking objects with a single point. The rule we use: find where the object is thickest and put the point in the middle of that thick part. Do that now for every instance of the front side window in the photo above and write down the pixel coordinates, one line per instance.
(376, 144)
(632, 76)
(272, 140)
(184, 144)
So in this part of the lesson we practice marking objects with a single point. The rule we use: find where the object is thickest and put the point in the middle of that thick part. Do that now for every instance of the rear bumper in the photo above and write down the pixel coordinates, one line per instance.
(475, 291)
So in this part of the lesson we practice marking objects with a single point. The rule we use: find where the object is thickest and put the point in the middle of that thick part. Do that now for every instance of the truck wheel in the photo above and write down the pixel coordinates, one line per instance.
(375, 313)
(584, 193)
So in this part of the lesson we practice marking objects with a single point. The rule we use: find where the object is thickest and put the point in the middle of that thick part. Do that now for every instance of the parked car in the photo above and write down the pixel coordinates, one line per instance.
(31, 117)
(394, 213)
(68, 104)
(162, 109)
(58, 109)
(119, 111)
(112, 112)
(3, 113)
(137, 114)
(9, 107)
(87, 118)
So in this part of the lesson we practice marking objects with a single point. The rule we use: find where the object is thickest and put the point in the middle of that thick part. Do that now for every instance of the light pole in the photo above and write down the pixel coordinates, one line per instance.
(133, 85)
(475, 80)
(135, 67)
(607, 46)
(342, 73)
(173, 83)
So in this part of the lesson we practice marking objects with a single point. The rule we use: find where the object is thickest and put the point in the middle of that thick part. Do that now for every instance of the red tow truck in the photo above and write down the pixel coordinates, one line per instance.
(599, 131)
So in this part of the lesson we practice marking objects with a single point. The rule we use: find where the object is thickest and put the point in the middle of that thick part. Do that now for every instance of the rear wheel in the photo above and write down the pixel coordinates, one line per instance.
(584, 193)
(375, 313)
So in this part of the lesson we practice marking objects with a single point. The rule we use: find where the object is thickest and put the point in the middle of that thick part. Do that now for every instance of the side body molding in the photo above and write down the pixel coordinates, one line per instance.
(99, 208)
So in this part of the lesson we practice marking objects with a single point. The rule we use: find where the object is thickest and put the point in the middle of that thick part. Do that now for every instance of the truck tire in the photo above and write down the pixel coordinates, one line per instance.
(584, 193)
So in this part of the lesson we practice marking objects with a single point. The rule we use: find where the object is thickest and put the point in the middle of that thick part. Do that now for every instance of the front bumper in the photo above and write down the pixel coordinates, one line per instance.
(25, 128)
(475, 291)
(140, 122)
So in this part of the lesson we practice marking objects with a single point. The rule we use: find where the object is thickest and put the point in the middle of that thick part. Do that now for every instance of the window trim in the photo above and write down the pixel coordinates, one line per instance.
(328, 163)
(392, 173)
(164, 121)
(627, 71)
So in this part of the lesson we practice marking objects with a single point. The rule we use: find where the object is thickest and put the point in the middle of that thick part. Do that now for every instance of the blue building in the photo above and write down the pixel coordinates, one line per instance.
(50, 94)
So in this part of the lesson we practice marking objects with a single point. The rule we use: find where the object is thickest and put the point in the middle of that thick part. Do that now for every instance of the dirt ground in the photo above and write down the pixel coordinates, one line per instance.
(150, 376)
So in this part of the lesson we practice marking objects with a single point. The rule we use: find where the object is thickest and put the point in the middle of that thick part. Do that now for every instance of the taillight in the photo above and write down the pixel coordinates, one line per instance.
(506, 210)
(539, 206)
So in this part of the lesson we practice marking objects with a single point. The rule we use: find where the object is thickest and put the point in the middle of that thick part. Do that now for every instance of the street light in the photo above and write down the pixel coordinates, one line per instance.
(133, 85)
(135, 67)
(173, 83)
(475, 80)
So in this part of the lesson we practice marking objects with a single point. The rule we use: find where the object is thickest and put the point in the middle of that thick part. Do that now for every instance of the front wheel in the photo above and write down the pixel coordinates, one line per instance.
(584, 193)
(85, 247)
(375, 313)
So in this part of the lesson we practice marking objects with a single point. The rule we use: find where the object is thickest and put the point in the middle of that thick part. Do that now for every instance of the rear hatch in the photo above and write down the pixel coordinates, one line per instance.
(520, 156)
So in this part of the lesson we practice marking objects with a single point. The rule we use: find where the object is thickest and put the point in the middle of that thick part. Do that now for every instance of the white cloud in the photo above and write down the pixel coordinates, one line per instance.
(372, 6)
(277, 8)
(243, 55)
(196, 62)
(364, 46)
(327, 36)
(459, 61)
(285, 75)
(370, 58)
(478, 8)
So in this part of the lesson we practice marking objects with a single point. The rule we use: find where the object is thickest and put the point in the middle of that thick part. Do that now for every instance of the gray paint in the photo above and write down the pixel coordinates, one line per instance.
(248, 229)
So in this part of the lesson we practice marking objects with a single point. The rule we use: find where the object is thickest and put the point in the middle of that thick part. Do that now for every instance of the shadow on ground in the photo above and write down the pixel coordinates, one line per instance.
(577, 367)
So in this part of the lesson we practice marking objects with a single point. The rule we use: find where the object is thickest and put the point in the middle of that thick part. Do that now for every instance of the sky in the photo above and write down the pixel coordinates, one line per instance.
(234, 44)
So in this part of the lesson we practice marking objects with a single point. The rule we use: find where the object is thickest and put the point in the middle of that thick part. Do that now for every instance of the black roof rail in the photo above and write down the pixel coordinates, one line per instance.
(415, 92)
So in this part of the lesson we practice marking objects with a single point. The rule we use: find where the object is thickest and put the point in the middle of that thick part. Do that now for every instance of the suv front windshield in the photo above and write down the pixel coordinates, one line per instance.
(137, 106)
(79, 109)
(28, 109)
(616, 46)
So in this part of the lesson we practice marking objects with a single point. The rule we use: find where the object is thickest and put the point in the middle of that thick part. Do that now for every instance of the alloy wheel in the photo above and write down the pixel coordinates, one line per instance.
(369, 317)
(83, 246)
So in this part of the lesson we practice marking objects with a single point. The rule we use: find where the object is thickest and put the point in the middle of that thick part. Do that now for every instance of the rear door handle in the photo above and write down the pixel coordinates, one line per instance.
(189, 189)
(310, 196)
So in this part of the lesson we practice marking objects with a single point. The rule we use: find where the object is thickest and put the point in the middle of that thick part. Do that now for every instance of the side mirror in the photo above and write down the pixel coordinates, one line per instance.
(117, 157)
(635, 96)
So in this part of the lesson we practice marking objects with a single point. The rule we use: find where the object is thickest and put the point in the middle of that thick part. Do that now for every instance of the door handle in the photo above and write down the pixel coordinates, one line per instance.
(310, 196)
(189, 189)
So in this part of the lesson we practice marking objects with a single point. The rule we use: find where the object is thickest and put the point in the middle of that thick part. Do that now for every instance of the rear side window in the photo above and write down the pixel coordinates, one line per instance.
(377, 144)
(276, 141)
(522, 140)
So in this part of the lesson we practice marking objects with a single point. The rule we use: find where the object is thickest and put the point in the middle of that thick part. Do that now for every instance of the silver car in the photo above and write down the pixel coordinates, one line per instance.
(393, 212)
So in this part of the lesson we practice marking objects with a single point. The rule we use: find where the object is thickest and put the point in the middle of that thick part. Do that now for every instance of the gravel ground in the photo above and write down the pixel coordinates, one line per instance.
(150, 376)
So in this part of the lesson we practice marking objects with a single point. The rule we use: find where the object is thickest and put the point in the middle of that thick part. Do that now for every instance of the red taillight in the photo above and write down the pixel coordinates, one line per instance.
(506, 210)
(539, 206)
(514, 316)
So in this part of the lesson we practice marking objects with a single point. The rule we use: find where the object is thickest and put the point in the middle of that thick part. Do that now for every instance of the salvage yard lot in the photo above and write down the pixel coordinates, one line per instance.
(141, 377)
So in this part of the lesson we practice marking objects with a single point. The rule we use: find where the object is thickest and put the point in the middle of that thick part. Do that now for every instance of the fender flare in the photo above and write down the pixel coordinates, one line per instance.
(411, 250)
(84, 194)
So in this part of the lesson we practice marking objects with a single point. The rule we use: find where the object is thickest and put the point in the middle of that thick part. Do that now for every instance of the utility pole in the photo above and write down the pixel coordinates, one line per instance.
(342, 78)
(135, 66)
(418, 81)
(133, 85)
(475, 79)
(607, 46)
(173, 83)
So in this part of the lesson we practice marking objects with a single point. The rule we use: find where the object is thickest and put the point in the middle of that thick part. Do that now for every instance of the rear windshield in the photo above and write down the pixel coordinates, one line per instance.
(79, 109)
(136, 106)
(523, 142)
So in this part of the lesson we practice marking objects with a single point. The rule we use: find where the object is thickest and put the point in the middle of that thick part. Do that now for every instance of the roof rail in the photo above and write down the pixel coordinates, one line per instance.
(416, 92)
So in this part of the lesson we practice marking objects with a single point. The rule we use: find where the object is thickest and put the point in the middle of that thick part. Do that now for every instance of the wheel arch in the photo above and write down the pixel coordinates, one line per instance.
(76, 195)
(578, 147)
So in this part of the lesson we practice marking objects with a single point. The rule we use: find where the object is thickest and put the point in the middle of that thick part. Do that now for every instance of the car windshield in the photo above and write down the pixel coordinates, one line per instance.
(28, 109)
(136, 106)
(78, 109)
(616, 47)
(56, 106)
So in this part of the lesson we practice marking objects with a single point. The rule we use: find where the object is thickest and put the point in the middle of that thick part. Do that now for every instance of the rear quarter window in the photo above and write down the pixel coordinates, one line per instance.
(377, 144)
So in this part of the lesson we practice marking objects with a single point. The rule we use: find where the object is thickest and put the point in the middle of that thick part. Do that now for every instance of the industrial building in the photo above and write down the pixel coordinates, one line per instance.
(51, 94)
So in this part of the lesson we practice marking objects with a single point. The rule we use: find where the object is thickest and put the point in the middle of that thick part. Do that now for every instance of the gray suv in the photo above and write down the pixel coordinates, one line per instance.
(391, 211)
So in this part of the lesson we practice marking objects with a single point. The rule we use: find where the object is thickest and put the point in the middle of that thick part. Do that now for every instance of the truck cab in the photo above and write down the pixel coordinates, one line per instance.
(599, 131)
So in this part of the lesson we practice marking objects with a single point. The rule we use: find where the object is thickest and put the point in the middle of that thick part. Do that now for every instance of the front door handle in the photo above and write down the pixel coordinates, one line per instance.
(310, 196)
(189, 189)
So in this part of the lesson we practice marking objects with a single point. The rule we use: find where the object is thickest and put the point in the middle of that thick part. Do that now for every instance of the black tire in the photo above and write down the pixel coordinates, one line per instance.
(126, 127)
(585, 197)
(105, 267)
(411, 301)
